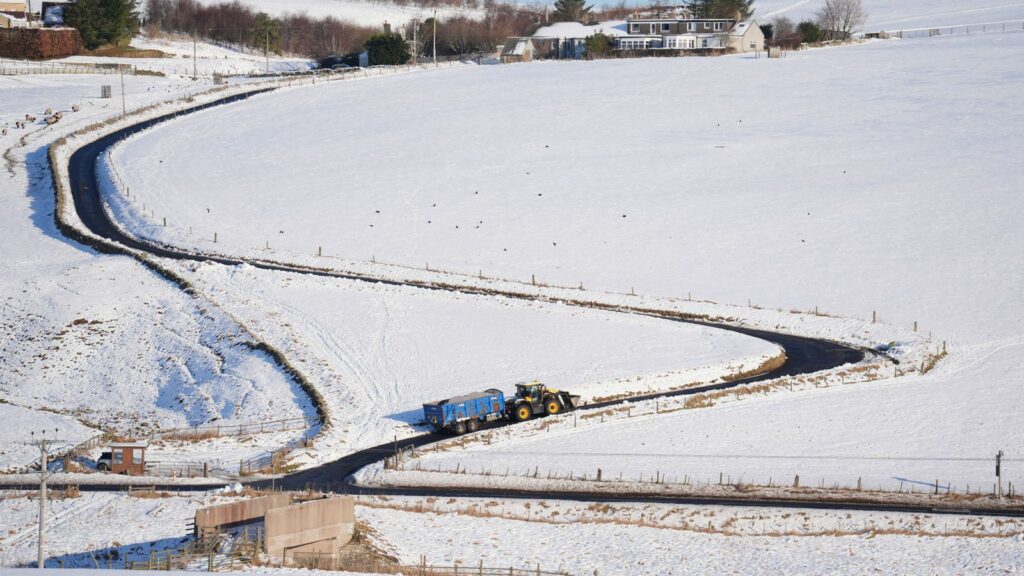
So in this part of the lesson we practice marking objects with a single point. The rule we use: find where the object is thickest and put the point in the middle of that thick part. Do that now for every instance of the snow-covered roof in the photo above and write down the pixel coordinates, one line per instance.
(577, 30)
(519, 49)
(741, 28)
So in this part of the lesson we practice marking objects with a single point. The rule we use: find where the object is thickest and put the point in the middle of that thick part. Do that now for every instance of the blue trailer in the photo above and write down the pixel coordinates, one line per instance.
(465, 413)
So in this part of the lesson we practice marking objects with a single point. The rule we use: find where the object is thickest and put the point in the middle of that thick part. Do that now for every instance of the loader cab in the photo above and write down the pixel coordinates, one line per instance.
(529, 391)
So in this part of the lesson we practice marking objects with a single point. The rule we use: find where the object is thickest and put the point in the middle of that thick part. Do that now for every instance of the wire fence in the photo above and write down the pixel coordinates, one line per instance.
(989, 28)
(20, 68)
(194, 433)
(373, 565)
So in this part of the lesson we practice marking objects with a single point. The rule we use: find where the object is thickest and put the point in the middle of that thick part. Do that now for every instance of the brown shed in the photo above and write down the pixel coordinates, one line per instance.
(128, 458)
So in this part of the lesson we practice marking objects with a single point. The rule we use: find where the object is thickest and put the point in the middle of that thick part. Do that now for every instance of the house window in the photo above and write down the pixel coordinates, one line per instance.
(718, 26)
(654, 28)
(665, 27)
(691, 26)
(118, 456)
(634, 28)
(707, 25)
(753, 45)
(136, 457)
(704, 43)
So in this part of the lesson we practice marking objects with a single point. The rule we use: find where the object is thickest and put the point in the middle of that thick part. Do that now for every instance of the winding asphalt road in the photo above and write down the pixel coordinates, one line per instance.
(804, 356)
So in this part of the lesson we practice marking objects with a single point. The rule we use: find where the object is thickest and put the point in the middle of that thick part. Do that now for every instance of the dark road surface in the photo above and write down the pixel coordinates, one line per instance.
(804, 356)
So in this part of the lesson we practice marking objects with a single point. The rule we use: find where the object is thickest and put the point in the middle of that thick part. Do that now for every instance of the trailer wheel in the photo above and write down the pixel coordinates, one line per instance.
(523, 412)
(551, 406)
(473, 425)
(460, 428)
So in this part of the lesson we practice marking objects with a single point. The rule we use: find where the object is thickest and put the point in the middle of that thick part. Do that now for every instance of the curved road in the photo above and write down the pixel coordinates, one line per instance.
(804, 356)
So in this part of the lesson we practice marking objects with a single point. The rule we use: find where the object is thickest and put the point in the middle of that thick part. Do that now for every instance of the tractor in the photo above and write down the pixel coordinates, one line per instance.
(536, 399)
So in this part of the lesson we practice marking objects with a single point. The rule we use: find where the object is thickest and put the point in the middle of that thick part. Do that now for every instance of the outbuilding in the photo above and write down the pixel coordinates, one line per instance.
(128, 458)
(746, 36)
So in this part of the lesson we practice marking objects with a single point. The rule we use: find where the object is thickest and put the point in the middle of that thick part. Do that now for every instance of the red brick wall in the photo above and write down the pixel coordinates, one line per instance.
(39, 43)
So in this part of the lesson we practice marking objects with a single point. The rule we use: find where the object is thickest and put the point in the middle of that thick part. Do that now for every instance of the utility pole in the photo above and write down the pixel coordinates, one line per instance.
(434, 43)
(266, 49)
(415, 42)
(194, 75)
(44, 445)
(999, 473)
(124, 106)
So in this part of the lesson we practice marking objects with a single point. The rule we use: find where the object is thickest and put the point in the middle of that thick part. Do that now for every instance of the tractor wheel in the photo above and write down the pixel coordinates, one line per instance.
(473, 425)
(523, 412)
(460, 428)
(551, 405)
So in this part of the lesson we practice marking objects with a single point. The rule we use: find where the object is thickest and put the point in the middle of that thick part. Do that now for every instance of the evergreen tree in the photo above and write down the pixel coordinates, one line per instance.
(810, 31)
(742, 9)
(598, 45)
(572, 11)
(389, 49)
(103, 22)
(265, 33)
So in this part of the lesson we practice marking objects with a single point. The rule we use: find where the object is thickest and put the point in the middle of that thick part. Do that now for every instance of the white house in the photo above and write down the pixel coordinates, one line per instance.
(746, 36)
(678, 32)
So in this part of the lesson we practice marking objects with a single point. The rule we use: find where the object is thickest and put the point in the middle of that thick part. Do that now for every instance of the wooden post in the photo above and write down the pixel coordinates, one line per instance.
(796, 481)
(874, 316)
(319, 250)
(915, 325)
(214, 237)
(165, 221)
(533, 279)
(858, 484)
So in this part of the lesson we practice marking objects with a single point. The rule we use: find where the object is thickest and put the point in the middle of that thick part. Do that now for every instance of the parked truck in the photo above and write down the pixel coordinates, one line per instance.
(464, 414)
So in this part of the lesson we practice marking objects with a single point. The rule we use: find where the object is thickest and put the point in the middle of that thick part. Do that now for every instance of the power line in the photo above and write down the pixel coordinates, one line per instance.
(44, 444)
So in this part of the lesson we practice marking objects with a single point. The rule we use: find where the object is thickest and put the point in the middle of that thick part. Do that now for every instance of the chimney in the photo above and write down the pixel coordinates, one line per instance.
(387, 27)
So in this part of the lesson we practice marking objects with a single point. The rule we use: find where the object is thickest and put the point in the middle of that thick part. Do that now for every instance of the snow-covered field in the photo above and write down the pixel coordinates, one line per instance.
(662, 540)
(362, 12)
(903, 14)
(209, 58)
(789, 205)
(94, 341)
(383, 351)
(616, 540)
(847, 212)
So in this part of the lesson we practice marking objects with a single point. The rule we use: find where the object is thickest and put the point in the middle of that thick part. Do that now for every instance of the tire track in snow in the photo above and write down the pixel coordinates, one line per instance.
(54, 520)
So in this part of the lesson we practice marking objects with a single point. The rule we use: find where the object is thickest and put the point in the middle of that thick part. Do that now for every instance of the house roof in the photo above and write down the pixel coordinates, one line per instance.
(577, 30)
(516, 47)
(741, 28)
(139, 444)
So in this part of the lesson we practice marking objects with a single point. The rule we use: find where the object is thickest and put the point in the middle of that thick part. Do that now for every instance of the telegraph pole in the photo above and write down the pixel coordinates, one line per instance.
(415, 42)
(194, 75)
(124, 106)
(434, 42)
(266, 49)
(44, 445)
(999, 473)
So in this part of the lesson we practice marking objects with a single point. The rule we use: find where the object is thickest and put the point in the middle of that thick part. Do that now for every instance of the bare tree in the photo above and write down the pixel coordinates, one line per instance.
(839, 19)
(783, 26)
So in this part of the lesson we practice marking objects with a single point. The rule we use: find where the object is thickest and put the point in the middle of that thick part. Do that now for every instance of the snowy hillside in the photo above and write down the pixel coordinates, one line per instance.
(382, 352)
(362, 12)
(772, 199)
(903, 14)
(90, 341)
(776, 199)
